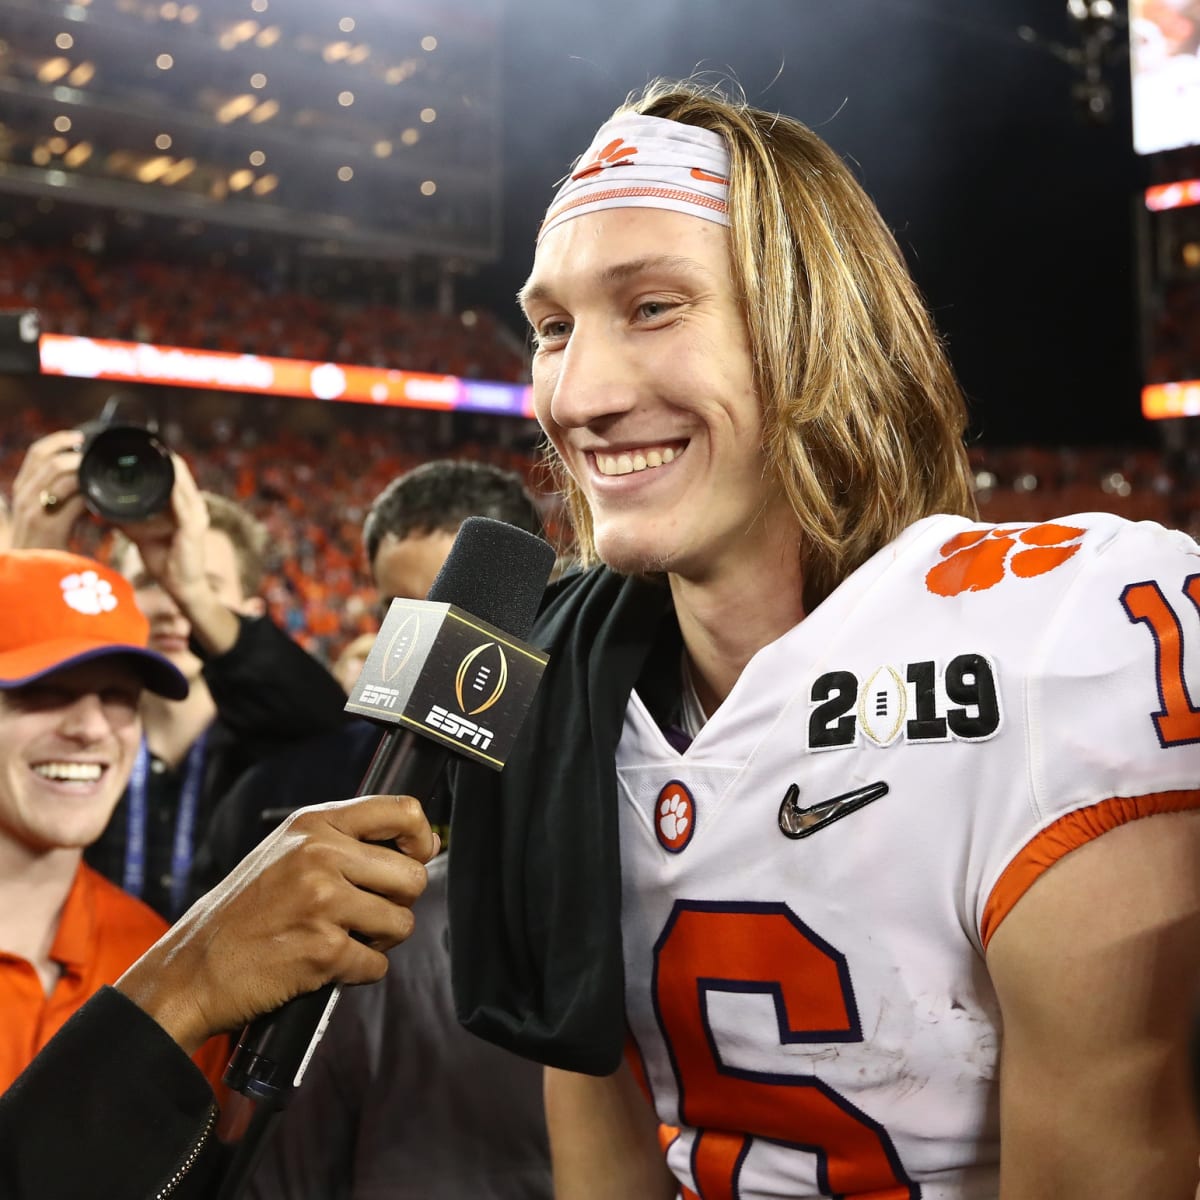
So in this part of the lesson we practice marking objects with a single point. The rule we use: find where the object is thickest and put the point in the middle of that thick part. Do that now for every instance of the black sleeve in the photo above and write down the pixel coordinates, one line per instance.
(111, 1107)
(269, 689)
(320, 770)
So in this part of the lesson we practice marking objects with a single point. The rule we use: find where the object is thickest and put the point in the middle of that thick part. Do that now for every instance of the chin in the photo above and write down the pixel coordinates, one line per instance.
(631, 555)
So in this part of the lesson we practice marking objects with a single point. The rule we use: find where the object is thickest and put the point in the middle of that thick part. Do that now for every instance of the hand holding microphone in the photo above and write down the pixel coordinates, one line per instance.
(279, 925)
(447, 676)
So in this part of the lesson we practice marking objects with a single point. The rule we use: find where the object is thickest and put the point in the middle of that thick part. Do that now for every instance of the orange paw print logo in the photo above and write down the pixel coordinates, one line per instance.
(615, 154)
(980, 558)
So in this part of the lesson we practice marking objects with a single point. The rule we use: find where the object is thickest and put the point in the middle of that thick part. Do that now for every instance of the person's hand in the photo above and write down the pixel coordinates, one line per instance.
(46, 500)
(171, 543)
(280, 924)
(172, 549)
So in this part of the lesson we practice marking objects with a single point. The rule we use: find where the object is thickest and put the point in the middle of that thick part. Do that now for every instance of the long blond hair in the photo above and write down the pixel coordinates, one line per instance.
(863, 419)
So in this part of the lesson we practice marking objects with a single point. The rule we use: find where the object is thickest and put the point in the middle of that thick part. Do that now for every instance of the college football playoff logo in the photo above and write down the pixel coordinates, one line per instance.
(400, 648)
(481, 679)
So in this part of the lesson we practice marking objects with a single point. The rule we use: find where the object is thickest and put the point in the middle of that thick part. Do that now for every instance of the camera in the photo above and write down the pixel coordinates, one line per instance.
(126, 473)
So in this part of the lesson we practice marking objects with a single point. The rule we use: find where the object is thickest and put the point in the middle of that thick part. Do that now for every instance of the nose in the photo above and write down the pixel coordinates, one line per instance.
(84, 720)
(593, 380)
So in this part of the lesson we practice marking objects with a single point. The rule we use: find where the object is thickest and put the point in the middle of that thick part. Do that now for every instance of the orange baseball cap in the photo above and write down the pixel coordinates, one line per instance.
(58, 610)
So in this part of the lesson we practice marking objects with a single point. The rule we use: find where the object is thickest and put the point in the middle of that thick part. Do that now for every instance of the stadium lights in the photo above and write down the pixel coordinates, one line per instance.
(78, 154)
(62, 124)
(164, 62)
(429, 115)
(345, 99)
(346, 24)
(257, 158)
(258, 80)
(179, 172)
(237, 106)
(345, 174)
(153, 169)
(53, 69)
(428, 187)
(429, 44)
(163, 141)
(64, 41)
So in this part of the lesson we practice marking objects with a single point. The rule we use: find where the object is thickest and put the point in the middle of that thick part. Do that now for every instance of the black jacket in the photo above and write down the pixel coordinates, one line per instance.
(112, 1109)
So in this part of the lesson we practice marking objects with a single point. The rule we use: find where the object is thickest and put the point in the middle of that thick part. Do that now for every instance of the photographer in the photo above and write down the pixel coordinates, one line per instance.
(196, 568)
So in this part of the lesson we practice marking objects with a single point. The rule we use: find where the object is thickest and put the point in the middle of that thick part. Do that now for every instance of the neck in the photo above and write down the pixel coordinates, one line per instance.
(727, 618)
(172, 726)
(33, 890)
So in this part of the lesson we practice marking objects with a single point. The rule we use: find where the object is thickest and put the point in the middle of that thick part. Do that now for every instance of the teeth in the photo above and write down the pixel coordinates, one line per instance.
(638, 460)
(73, 772)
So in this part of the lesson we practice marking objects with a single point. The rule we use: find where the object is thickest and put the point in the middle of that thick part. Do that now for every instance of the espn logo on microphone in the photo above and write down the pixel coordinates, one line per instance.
(439, 670)
(459, 727)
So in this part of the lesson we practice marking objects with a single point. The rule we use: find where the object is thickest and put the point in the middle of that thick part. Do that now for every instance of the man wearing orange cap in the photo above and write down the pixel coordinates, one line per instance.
(73, 664)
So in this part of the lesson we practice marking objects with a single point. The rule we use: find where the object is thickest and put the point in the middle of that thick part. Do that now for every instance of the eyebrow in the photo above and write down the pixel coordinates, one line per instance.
(619, 273)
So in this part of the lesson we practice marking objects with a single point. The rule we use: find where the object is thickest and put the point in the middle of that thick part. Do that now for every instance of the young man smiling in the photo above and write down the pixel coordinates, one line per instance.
(73, 666)
(867, 831)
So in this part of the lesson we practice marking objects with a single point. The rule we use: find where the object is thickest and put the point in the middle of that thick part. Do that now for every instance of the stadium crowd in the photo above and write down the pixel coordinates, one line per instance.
(246, 310)
(312, 492)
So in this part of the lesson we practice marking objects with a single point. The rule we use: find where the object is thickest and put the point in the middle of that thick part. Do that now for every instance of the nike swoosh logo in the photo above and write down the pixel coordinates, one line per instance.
(797, 822)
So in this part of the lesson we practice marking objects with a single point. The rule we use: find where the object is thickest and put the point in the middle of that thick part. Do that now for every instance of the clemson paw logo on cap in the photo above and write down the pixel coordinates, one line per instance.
(978, 559)
(87, 593)
(674, 816)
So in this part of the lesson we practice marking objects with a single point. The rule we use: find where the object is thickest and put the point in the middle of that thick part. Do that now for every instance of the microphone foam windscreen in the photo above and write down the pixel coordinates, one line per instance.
(496, 572)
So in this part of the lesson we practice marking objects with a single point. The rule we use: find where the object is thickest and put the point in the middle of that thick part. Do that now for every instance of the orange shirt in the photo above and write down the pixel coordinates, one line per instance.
(101, 932)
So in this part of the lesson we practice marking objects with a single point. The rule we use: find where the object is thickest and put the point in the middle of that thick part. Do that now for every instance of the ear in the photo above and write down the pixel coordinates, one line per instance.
(252, 606)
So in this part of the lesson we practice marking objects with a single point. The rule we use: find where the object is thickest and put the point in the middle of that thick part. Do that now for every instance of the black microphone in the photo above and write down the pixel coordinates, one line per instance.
(448, 675)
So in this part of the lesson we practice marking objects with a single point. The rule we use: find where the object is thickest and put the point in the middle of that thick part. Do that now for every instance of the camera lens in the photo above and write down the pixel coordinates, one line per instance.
(126, 473)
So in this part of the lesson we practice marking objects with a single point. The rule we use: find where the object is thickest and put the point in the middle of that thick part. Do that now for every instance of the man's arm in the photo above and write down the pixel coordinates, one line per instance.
(1096, 969)
(112, 1106)
(604, 1139)
(267, 689)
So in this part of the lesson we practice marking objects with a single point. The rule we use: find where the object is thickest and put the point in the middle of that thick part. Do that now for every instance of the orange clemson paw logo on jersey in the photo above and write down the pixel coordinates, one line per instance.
(978, 559)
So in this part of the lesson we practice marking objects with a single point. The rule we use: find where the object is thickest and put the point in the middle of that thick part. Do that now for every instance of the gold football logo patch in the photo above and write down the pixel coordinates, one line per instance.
(481, 679)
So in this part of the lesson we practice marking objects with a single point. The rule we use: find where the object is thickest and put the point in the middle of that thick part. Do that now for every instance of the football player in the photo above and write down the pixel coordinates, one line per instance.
(872, 824)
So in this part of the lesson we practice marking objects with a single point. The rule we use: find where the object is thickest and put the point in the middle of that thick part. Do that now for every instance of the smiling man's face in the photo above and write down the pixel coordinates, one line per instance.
(67, 746)
(643, 381)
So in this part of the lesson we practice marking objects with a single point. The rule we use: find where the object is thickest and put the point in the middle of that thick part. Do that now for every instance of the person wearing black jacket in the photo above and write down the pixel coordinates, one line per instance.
(253, 690)
(113, 1107)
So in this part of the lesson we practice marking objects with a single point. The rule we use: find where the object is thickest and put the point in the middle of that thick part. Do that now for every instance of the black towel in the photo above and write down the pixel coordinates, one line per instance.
(535, 873)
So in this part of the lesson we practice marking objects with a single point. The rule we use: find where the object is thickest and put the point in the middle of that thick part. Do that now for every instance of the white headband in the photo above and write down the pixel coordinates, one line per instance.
(647, 162)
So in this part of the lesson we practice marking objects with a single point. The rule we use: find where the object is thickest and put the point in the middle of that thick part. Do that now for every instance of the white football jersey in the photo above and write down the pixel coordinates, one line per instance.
(808, 890)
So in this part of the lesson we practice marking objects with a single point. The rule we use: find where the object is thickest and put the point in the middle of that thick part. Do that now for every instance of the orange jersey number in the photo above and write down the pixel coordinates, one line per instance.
(764, 949)
(1177, 720)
